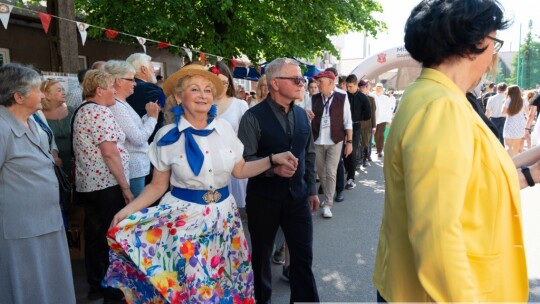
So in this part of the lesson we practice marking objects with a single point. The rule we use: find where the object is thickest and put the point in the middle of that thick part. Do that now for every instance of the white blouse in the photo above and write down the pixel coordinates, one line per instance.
(93, 125)
(221, 149)
(137, 131)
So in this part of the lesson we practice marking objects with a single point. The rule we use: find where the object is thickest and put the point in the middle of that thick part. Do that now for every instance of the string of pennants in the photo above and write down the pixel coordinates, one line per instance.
(6, 9)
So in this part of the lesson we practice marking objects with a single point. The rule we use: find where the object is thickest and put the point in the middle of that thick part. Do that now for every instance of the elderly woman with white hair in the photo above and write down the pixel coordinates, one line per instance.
(137, 129)
(34, 255)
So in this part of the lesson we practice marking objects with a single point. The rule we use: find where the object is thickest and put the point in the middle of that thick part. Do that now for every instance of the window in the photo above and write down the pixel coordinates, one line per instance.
(4, 56)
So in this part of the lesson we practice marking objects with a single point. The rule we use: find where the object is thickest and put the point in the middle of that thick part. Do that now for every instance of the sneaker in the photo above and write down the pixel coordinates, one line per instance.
(286, 272)
(350, 184)
(339, 197)
(380, 155)
(279, 256)
(326, 213)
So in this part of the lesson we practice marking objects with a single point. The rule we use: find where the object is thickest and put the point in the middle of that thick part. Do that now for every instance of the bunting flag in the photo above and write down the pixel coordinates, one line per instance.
(6, 9)
(82, 30)
(111, 34)
(188, 53)
(202, 56)
(45, 21)
(5, 12)
(142, 41)
(163, 45)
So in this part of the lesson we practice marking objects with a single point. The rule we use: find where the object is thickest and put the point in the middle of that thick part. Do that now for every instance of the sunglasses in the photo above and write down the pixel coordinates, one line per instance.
(295, 80)
(497, 44)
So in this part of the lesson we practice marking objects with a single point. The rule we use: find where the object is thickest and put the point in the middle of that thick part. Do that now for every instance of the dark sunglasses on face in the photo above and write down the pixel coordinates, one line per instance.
(295, 80)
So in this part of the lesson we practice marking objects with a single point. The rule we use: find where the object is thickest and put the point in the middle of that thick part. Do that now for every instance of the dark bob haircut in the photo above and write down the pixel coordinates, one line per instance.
(224, 69)
(439, 29)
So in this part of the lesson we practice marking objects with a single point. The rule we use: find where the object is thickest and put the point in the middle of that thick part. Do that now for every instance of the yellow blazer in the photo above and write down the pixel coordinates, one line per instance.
(451, 229)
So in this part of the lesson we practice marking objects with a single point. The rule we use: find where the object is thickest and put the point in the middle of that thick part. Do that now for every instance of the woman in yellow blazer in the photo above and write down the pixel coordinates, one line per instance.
(451, 229)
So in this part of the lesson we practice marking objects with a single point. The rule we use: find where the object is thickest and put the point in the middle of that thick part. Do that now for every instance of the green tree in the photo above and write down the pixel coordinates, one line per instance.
(260, 30)
(527, 64)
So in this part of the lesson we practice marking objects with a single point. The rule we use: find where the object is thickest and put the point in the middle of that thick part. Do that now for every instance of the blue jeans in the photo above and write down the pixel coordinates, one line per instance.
(499, 123)
(136, 185)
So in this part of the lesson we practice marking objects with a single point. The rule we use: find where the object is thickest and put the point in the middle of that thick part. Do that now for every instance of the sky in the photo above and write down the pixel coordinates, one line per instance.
(396, 13)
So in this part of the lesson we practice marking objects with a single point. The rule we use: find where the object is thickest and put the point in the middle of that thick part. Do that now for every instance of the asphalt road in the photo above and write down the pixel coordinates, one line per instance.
(345, 246)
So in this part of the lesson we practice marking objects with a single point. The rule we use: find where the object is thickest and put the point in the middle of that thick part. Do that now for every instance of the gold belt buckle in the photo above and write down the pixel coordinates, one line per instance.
(211, 196)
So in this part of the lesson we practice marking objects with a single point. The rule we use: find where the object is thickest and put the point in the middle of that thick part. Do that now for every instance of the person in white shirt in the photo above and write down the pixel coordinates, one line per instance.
(137, 129)
(331, 125)
(494, 108)
(384, 113)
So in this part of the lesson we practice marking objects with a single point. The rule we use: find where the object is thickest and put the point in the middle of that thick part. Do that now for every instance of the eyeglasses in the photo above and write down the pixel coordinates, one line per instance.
(497, 44)
(128, 79)
(296, 80)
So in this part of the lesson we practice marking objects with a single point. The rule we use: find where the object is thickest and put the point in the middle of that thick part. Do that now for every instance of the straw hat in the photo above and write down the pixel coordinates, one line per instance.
(191, 70)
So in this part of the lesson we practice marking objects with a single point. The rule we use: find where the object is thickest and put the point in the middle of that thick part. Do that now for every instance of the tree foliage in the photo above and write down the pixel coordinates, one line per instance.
(258, 29)
(528, 65)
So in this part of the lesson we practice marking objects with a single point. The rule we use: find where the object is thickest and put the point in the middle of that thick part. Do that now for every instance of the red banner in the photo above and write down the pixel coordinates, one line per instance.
(45, 21)
(162, 45)
(111, 34)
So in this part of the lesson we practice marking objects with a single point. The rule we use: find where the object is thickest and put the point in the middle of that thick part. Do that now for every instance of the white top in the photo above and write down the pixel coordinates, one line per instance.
(93, 125)
(495, 105)
(385, 108)
(137, 131)
(234, 112)
(324, 134)
(222, 150)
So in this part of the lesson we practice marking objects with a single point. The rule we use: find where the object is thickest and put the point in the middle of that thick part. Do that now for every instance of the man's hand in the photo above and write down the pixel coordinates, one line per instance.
(314, 202)
(128, 196)
(310, 114)
(287, 159)
(348, 149)
(284, 170)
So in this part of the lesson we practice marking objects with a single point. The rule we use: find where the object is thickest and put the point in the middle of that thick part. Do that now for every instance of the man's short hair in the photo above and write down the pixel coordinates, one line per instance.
(351, 79)
(273, 69)
(138, 60)
(502, 86)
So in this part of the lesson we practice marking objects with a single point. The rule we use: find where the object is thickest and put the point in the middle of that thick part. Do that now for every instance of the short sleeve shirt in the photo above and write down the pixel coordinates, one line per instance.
(221, 149)
(93, 125)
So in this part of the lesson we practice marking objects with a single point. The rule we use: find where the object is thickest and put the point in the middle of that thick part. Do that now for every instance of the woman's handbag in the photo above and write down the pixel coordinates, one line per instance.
(63, 181)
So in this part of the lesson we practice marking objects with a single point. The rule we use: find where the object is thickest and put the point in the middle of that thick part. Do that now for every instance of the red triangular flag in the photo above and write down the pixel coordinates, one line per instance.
(203, 57)
(233, 64)
(111, 34)
(45, 21)
(162, 45)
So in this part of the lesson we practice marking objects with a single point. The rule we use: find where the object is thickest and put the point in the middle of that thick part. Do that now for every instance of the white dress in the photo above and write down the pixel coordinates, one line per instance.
(233, 114)
(514, 126)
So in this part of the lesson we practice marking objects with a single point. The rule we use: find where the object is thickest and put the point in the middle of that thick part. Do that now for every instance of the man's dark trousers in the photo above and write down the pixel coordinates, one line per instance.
(499, 124)
(294, 217)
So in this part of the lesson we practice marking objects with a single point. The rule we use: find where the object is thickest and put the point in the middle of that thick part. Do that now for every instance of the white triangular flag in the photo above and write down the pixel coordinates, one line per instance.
(82, 30)
(219, 58)
(142, 41)
(189, 53)
(5, 11)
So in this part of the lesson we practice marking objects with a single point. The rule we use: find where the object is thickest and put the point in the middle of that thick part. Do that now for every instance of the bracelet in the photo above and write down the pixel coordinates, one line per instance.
(528, 177)
(348, 141)
(271, 161)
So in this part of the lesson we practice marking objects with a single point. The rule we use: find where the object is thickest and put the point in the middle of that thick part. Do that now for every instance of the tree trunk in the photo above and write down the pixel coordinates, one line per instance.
(64, 44)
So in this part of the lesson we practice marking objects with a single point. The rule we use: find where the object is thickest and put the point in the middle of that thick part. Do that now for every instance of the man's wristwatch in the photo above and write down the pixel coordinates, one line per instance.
(348, 141)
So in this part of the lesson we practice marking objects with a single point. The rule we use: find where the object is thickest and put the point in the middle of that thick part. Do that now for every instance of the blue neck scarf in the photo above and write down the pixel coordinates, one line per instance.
(195, 157)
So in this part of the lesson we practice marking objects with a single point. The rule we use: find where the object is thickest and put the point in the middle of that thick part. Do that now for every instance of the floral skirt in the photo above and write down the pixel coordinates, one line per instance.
(180, 252)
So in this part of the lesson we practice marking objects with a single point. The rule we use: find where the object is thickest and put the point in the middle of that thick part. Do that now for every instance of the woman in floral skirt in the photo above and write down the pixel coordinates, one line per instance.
(191, 247)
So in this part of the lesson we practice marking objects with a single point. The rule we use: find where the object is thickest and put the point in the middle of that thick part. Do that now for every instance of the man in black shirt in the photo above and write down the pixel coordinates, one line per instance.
(358, 102)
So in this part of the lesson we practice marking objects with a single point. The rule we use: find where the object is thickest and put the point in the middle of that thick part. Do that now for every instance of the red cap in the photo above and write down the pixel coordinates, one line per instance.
(326, 74)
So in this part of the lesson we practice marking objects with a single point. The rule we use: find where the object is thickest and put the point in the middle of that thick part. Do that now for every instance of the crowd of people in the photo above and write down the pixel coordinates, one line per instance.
(169, 172)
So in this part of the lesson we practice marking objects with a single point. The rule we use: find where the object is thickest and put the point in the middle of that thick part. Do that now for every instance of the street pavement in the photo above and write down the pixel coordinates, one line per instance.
(345, 246)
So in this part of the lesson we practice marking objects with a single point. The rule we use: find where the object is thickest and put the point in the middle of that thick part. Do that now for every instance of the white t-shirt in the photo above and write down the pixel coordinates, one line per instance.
(495, 105)
(385, 108)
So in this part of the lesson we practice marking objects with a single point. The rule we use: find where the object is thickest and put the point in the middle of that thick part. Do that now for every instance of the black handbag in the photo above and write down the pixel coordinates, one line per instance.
(63, 181)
